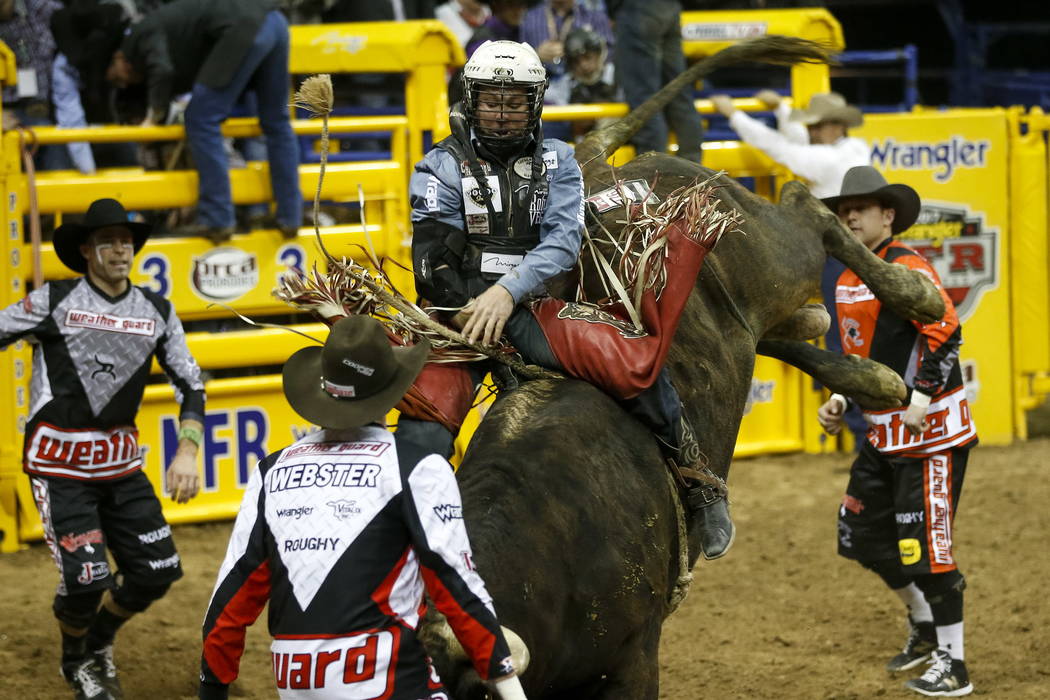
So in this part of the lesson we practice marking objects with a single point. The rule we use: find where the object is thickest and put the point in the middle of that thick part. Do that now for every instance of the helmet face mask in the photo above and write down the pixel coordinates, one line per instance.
(503, 87)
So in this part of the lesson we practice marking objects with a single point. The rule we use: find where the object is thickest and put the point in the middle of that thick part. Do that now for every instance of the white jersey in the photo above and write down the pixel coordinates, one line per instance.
(341, 533)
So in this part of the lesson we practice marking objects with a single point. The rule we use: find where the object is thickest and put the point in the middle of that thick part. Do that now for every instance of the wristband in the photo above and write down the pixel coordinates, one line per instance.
(192, 434)
(841, 399)
(920, 399)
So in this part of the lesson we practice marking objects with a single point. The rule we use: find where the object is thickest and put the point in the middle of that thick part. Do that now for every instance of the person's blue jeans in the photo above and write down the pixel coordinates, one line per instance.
(648, 55)
(264, 71)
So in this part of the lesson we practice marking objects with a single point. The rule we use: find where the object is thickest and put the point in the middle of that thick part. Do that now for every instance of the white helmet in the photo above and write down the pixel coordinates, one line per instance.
(503, 86)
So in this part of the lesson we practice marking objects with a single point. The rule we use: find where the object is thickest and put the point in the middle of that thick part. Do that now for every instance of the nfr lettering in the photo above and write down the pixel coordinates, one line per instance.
(251, 430)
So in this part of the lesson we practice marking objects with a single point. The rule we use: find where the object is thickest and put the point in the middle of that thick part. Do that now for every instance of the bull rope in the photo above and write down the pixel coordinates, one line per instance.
(685, 572)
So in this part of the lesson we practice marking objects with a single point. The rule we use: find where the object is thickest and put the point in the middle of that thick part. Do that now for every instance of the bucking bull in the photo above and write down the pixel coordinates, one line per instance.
(574, 521)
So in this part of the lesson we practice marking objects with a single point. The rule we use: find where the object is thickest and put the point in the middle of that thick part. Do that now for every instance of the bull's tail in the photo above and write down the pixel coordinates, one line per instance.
(777, 50)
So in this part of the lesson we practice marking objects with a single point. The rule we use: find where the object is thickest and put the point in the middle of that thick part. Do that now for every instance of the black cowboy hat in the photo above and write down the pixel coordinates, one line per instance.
(355, 378)
(866, 181)
(102, 213)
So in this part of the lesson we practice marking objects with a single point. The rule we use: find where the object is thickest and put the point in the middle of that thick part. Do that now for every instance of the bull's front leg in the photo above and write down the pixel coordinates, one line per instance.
(807, 322)
(871, 384)
(907, 292)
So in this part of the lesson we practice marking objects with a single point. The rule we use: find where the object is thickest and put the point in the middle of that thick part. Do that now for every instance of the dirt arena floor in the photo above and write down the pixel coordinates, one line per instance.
(781, 617)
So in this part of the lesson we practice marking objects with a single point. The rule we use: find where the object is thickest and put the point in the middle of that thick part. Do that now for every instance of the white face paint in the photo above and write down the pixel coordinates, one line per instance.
(114, 245)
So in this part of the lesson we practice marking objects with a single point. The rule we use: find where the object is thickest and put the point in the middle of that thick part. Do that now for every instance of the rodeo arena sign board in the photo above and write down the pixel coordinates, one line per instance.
(958, 163)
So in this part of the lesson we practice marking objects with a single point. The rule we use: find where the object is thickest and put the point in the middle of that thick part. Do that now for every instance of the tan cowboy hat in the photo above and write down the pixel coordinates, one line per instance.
(102, 213)
(355, 378)
(866, 181)
(828, 107)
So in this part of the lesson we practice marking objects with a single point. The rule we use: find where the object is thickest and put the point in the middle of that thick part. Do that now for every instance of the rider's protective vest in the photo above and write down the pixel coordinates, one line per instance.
(503, 206)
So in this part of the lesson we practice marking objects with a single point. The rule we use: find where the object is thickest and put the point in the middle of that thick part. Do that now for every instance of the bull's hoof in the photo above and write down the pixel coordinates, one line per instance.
(717, 531)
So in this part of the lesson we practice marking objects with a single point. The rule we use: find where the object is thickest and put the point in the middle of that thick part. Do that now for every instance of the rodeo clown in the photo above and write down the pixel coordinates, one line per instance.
(341, 532)
(897, 515)
(94, 340)
(497, 213)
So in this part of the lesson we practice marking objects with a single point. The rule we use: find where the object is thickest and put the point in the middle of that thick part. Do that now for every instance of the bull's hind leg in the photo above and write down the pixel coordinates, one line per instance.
(637, 674)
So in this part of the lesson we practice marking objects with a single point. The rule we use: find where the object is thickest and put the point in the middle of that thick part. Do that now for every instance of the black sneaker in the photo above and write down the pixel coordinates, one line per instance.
(107, 671)
(84, 678)
(922, 639)
(945, 678)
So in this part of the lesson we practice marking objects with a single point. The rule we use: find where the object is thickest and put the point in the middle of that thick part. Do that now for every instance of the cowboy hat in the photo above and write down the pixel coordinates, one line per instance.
(828, 107)
(866, 181)
(355, 378)
(102, 213)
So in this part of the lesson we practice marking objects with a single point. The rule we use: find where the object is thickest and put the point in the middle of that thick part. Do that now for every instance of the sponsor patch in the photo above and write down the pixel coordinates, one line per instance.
(296, 513)
(852, 295)
(342, 448)
(166, 563)
(851, 337)
(358, 367)
(344, 509)
(52, 450)
(447, 512)
(499, 263)
(78, 318)
(474, 195)
(852, 504)
(950, 424)
(312, 544)
(161, 533)
(91, 571)
(224, 273)
(301, 476)
(910, 518)
(431, 196)
(550, 160)
(523, 166)
(478, 223)
(74, 541)
(911, 551)
(612, 198)
(939, 529)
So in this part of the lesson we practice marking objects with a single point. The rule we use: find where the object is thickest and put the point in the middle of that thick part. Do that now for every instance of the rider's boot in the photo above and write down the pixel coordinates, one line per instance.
(706, 496)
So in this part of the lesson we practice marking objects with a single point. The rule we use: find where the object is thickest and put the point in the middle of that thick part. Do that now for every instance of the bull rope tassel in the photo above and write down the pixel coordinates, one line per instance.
(350, 288)
(637, 261)
(685, 573)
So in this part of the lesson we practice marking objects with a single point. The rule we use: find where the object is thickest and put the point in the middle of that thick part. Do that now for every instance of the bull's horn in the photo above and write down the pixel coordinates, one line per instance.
(778, 50)
(908, 293)
(871, 384)
(519, 652)
(805, 323)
